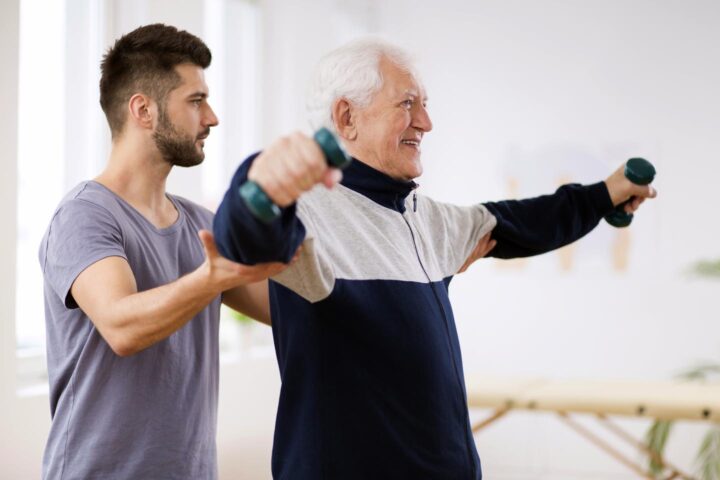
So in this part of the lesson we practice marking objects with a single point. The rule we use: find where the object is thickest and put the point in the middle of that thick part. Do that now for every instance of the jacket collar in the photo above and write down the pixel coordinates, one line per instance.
(377, 186)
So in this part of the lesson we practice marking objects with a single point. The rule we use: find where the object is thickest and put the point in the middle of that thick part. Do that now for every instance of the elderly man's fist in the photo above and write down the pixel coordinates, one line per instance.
(625, 184)
(290, 166)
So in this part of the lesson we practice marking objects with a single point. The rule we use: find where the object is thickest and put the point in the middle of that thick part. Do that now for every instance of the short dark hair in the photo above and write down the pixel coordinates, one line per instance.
(144, 61)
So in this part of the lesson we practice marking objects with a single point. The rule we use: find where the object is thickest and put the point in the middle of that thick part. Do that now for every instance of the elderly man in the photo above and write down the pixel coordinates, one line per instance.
(372, 377)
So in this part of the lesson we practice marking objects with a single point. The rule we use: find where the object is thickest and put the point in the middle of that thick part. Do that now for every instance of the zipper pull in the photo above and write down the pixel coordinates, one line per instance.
(414, 202)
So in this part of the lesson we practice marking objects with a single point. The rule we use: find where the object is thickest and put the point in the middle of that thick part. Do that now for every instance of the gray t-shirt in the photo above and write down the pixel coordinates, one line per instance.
(150, 415)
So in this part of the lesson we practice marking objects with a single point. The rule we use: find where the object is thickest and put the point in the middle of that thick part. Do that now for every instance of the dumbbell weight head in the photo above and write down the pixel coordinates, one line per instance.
(334, 153)
(258, 202)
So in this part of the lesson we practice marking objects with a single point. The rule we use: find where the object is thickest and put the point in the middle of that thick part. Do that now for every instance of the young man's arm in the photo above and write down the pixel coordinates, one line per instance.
(131, 321)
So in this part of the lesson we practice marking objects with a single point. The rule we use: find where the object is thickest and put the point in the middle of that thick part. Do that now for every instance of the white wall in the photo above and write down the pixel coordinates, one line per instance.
(9, 21)
(295, 35)
(9, 18)
(523, 91)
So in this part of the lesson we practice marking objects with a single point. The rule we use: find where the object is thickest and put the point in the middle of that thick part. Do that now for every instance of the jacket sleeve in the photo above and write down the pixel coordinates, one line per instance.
(242, 238)
(453, 230)
(312, 275)
(537, 225)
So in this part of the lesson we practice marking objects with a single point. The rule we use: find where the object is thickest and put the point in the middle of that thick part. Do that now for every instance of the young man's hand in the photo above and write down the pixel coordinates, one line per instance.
(483, 247)
(223, 274)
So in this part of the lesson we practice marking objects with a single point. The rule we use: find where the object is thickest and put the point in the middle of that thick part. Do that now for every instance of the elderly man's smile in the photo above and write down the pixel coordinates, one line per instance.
(411, 143)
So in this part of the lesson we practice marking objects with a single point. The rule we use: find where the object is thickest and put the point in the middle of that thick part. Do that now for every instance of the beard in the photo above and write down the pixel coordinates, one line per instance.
(176, 148)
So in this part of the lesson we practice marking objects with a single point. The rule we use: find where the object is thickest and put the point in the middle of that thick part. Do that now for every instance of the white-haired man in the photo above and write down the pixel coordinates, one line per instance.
(372, 378)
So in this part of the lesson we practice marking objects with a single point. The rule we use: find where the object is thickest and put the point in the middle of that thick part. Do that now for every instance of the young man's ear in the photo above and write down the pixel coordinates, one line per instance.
(141, 111)
(343, 116)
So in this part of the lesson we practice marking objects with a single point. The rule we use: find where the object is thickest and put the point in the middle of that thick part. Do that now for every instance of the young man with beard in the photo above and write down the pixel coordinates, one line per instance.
(133, 281)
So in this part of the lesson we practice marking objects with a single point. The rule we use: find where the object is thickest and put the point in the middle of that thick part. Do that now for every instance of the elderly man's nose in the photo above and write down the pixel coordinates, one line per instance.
(422, 120)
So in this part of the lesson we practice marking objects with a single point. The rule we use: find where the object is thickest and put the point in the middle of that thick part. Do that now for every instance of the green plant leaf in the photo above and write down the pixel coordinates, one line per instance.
(707, 268)
(708, 458)
(240, 317)
(656, 439)
(701, 372)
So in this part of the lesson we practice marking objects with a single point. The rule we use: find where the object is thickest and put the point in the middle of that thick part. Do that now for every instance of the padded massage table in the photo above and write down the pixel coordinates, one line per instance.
(656, 400)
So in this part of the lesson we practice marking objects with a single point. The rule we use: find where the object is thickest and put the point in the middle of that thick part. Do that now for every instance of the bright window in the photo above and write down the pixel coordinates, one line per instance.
(41, 152)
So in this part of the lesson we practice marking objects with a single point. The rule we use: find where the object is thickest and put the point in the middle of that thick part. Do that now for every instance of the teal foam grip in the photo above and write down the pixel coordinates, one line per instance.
(258, 202)
(335, 155)
(640, 172)
(262, 207)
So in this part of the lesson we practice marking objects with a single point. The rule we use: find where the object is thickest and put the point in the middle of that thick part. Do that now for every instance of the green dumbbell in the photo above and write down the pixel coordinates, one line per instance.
(260, 204)
(640, 172)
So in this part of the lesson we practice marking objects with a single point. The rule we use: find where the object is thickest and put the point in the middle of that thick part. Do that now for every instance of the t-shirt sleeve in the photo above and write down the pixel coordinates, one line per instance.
(80, 234)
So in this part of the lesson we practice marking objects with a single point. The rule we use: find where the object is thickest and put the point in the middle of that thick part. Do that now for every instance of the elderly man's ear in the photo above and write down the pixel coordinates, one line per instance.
(343, 116)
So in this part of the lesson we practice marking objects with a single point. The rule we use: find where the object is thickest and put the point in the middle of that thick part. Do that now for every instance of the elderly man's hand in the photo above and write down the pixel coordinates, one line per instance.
(621, 189)
(483, 247)
(290, 166)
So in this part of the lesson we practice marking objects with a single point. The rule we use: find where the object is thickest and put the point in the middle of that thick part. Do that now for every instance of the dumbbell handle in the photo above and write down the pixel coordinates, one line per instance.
(640, 172)
(260, 204)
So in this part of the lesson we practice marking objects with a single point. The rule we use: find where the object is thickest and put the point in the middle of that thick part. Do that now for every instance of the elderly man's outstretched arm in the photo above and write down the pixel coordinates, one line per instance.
(541, 224)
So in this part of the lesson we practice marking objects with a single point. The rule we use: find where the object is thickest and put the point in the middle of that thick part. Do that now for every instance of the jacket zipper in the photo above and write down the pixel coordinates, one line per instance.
(445, 319)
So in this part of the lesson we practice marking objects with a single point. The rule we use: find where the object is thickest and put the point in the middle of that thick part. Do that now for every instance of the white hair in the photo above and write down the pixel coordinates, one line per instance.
(351, 71)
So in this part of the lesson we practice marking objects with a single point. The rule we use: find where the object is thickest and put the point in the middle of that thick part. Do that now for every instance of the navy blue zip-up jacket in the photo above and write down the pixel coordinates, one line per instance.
(372, 378)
